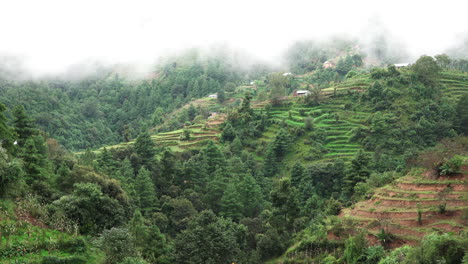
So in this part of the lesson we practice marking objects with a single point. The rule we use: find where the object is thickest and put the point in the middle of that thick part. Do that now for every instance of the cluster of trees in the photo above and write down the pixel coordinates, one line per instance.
(106, 109)
(307, 56)
(410, 112)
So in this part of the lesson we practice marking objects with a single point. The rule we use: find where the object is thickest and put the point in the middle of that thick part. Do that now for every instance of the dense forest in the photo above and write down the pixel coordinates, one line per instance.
(271, 186)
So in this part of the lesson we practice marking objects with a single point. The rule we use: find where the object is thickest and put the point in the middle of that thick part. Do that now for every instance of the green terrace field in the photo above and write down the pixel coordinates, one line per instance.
(334, 122)
(200, 134)
(455, 84)
(357, 83)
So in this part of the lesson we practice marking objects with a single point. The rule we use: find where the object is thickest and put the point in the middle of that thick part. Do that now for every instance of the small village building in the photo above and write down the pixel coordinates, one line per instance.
(213, 96)
(328, 64)
(287, 74)
(301, 93)
(399, 65)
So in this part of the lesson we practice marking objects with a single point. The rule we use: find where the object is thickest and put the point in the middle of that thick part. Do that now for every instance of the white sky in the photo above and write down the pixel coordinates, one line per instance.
(53, 34)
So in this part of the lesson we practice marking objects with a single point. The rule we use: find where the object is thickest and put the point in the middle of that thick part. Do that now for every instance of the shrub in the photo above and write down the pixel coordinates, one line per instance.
(308, 124)
(302, 112)
(442, 208)
(118, 244)
(75, 245)
(451, 166)
(435, 248)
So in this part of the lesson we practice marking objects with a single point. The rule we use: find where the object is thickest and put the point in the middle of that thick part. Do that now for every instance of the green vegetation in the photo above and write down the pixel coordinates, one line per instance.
(256, 175)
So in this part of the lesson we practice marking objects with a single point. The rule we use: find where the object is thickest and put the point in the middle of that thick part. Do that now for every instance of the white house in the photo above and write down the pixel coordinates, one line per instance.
(301, 93)
(287, 74)
(399, 65)
(213, 96)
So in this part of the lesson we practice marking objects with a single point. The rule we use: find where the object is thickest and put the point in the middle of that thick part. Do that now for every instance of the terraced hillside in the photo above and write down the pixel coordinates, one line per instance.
(456, 84)
(331, 118)
(176, 140)
(198, 135)
(414, 206)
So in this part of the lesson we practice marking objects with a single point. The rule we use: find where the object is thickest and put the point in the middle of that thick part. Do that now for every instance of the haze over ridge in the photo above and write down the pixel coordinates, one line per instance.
(51, 35)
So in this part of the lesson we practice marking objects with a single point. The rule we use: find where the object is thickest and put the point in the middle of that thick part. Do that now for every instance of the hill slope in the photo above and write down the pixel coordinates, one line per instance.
(414, 206)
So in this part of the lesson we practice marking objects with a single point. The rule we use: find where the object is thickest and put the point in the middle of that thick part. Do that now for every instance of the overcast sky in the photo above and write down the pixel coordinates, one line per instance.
(53, 34)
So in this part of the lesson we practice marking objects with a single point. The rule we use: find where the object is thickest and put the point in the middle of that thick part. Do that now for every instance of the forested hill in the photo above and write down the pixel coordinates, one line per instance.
(105, 108)
(258, 174)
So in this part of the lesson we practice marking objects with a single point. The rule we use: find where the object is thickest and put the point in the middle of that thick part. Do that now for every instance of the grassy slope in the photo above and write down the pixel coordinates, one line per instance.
(26, 240)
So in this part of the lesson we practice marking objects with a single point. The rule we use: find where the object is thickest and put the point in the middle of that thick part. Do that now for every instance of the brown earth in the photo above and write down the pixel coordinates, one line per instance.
(396, 210)
(27, 217)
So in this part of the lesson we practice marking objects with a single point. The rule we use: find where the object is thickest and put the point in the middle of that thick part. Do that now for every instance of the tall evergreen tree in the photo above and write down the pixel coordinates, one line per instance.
(127, 178)
(251, 196)
(231, 205)
(144, 187)
(106, 161)
(271, 164)
(6, 133)
(284, 198)
(297, 173)
(358, 171)
(213, 157)
(34, 161)
(23, 125)
(281, 143)
(144, 147)
(215, 190)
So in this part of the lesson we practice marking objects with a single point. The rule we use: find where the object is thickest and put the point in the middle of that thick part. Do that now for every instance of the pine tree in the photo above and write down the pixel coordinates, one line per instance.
(284, 198)
(213, 157)
(271, 164)
(137, 228)
(231, 205)
(251, 196)
(144, 147)
(297, 173)
(192, 112)
(127, 178)
(148, 239)
(144, 187)
(33, 161)
(229, 134)
(221, 96)
(23, 125)
(106, 161)
(6, 133)
(281, 143)
(236, 146)
(215, 190)
(358, 172)
(169, 171)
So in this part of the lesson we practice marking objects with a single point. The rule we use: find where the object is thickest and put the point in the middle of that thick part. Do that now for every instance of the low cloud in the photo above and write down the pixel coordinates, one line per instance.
(51, 36)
